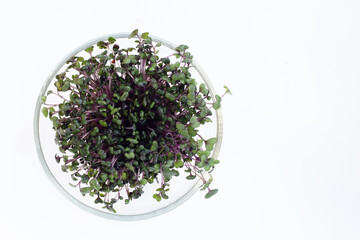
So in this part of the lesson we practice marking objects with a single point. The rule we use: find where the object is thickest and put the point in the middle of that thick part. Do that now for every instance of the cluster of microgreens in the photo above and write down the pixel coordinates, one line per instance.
(130, 119)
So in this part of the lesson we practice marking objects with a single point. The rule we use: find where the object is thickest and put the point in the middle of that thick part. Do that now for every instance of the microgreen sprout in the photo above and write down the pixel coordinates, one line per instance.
(131, 118)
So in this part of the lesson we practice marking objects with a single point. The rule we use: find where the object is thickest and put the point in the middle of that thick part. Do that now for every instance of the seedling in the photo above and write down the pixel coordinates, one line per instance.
(131, 118)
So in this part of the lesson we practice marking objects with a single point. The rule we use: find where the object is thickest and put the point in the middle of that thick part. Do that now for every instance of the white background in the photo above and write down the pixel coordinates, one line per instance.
(290, 159)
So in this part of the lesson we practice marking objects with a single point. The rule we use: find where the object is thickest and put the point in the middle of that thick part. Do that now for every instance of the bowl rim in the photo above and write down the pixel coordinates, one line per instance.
(64, 192)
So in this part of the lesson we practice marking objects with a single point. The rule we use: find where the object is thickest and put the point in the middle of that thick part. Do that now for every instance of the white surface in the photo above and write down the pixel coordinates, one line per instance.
(290, 157)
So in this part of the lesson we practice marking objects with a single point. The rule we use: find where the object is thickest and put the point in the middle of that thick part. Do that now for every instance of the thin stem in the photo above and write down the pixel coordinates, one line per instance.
(57, 93)
(162, 176)
(72, 160)
(201, 137)
(51, 105)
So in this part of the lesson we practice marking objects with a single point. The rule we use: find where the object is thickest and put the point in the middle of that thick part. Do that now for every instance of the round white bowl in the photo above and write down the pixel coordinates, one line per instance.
(181, 189)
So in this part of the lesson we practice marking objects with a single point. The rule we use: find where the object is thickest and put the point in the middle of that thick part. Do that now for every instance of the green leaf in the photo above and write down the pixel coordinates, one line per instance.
(194, 122)
(207, 167)
(209, 144)
(98, 200)
(191, 177)
(192, 88)
(124, 175)
(211, 193)
(78, 81)
(129, 165)
(182, 129)
(133, 33)
(152, 104)
(169, 96)
(132, 140)
(103, 123)
(192, 131)
(103, 177)
(157, 197)
(163, 195)
(181, 48)
(174, 66)
(45, 111)
(55, 121)
(200, 143)
(124, 96)
(85, 190)
(178, 76)
(211, 162)
(117, 121)
(201, 164)
(94, 131)
(111, 178)
(65, 87)
(227, 90)
(94, 184)
(154, 146)
(144, 35)
(203, 89)
(101, 45)
(152, 68)
(111, 40)
(130, 155)
(178, 163)
(101, 102)
(169, 163)
(128, 59)
(104, 163)
(143, 181)
(157, 168)
(115, 110)
(89, 49)
(168, 174)
(217, 102)
(212, 140)
(139, 81)
(191, 96)
(43, 99)
(204, 186)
